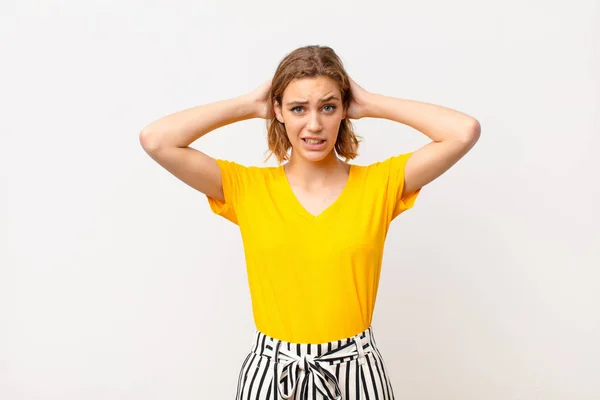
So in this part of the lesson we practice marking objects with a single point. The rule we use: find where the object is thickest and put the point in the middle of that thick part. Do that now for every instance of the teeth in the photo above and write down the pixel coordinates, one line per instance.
(310, 141)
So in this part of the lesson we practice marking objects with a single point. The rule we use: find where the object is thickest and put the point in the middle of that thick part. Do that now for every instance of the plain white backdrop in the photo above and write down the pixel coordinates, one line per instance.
(117, 282)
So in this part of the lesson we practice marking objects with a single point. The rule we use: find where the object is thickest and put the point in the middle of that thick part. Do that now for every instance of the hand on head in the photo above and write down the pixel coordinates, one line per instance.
(358, 107)
(260, 99)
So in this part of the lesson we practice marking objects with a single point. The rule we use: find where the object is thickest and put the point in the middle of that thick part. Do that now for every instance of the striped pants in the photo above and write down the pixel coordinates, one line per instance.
(346, 369)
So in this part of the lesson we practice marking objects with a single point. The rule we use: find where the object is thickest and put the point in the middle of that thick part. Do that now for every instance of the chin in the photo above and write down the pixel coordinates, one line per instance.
(317, 156)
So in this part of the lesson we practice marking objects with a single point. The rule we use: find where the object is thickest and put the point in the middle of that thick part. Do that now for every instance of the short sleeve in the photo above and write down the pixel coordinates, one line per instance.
(234, 178)
(395, 167)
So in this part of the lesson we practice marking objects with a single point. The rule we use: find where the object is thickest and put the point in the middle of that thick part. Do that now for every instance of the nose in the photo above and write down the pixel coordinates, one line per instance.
(314, 124)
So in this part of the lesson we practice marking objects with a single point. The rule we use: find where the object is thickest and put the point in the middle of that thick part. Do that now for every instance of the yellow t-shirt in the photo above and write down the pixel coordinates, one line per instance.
(313, 279)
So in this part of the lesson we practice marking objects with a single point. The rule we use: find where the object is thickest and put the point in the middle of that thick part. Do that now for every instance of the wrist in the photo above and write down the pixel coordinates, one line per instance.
(248, 106)
(372, 105)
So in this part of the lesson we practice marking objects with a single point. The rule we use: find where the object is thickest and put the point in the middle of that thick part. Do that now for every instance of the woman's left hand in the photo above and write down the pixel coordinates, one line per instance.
(359, 104)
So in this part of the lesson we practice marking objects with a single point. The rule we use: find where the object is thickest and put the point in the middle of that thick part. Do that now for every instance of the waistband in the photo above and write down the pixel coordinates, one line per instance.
(299, 364)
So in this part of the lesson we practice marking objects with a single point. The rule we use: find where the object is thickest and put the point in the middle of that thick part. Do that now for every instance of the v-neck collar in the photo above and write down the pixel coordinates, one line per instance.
(300, 209)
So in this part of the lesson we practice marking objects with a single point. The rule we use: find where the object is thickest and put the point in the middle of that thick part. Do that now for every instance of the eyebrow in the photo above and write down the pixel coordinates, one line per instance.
(332, 97)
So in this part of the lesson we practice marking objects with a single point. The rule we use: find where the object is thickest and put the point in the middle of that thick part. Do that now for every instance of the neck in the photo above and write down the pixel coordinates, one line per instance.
(315, 174)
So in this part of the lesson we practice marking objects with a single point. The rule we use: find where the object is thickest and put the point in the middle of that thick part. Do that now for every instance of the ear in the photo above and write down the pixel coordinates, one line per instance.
(277, 109)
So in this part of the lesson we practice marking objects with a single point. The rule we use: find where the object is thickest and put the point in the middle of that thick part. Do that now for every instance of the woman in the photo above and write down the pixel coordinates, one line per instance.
(313, 228)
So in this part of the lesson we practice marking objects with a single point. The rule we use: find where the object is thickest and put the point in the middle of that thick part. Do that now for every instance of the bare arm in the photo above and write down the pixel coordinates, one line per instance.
(184, 127)
(452, 133)
(167, 140)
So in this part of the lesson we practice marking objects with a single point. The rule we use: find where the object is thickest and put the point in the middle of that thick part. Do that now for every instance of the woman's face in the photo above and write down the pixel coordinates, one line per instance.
(312, 110)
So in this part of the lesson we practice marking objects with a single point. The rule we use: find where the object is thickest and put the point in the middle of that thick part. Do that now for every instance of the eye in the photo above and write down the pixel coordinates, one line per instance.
(298, 109)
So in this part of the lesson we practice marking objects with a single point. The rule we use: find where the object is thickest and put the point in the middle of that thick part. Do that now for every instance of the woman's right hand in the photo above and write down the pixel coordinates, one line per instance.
(260, 97)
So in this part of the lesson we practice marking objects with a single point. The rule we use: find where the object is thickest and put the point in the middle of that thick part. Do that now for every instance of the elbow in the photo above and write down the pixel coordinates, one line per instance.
(475, 127)
(472, 133)
(148, 140)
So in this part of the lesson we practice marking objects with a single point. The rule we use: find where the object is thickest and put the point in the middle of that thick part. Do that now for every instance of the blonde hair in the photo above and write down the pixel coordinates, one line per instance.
(309, 62)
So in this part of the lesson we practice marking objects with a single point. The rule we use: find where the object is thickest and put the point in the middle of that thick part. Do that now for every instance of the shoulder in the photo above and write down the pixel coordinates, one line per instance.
(382, 165)
(241, 170)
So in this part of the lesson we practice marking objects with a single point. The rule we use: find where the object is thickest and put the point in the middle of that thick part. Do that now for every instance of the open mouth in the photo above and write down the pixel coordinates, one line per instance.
(310, 141)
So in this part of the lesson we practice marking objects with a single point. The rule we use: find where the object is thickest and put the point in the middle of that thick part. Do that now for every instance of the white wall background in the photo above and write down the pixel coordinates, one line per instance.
(117, 282)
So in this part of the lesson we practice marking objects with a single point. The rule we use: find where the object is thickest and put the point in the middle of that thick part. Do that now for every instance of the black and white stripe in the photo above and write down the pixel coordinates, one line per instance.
(317, 368)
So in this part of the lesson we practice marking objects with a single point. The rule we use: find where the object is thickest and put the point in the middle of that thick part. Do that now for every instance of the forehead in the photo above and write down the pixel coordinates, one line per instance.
(311, 89)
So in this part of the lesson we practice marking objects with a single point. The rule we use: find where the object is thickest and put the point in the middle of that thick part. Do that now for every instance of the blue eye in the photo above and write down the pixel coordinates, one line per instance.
(300, 108)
